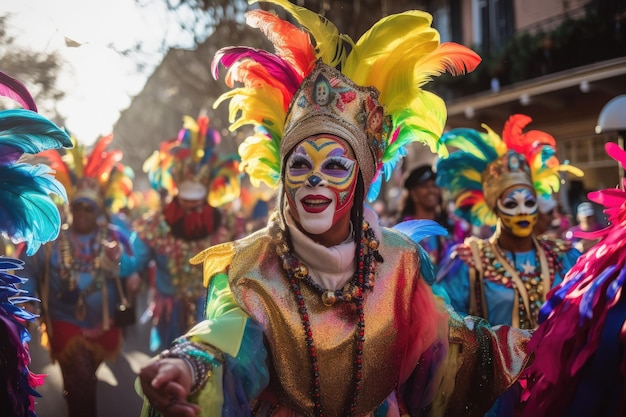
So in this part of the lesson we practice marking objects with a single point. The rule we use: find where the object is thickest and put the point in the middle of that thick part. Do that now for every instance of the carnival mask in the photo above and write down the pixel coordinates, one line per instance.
(518, 210)
(320, 181)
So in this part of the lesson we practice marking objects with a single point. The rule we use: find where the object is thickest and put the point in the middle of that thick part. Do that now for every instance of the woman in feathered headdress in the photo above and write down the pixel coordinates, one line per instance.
(196, 181)
(323, 312)
(496, 181)
(28, 216)
(578, 349)
(80, 278)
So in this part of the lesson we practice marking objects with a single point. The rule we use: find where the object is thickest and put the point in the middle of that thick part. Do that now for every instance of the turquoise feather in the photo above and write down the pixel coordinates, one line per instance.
(30, 132)
(417, 230)
(29, 214)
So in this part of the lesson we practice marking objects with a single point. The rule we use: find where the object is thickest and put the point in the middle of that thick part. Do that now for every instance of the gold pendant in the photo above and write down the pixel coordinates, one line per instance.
(329, 298)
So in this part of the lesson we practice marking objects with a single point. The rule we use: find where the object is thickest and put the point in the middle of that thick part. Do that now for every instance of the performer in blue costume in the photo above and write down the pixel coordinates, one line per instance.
(496, 181)
(80, 277)
(30, 217)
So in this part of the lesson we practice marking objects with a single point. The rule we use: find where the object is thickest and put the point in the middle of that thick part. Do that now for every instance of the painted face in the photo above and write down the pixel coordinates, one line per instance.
(518, 210)
(320, 181)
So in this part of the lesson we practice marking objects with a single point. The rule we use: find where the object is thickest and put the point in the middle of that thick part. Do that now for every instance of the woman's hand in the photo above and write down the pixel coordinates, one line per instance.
(166, 383)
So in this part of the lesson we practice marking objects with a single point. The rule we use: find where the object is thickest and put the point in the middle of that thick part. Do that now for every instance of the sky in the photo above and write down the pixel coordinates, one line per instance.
(98, 82)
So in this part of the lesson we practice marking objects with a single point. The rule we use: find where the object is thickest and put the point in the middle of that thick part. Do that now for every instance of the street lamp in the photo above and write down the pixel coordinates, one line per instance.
(613, 119)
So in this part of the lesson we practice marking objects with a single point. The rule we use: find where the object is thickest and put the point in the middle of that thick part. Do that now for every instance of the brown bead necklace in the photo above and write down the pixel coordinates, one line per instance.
(353, 291)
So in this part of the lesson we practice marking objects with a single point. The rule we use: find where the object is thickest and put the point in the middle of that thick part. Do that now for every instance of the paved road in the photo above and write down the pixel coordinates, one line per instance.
(116, 393)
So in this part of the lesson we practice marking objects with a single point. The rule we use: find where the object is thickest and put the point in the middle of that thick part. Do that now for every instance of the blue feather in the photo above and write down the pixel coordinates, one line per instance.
(613, 289)
(417, 230)
(28, 213)
(9, 264)
(472, 139)
(427, 267)
(375, 188)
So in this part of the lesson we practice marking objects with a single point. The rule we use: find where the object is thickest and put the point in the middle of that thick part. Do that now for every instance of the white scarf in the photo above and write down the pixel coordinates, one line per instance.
(331, 267)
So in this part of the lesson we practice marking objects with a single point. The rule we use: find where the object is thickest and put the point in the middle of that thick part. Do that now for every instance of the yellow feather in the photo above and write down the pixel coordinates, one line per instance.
(330, 45)
(384, 38)
(449, 57)
(571, 169)
(190, 123)
(252, 150)
(253, 106)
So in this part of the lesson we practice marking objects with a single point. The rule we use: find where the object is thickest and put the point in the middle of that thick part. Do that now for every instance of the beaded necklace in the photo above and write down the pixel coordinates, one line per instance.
(353, 291)
(530, 287)
(72, 260)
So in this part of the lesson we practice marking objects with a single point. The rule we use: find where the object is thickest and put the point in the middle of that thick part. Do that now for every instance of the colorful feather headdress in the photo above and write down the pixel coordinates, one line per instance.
(483, 165)
(98, 176)
(191, 166)
(579, 346)
(27, 215)
(319, 81)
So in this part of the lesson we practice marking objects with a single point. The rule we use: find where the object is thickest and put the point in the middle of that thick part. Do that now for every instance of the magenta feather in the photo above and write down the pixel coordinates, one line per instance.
(15, 90)
(275, 65)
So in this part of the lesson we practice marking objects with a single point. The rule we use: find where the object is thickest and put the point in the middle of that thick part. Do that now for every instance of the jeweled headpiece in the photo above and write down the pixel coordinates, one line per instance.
(319, 81)
(508, 170)
(483, 165)
(191, 167)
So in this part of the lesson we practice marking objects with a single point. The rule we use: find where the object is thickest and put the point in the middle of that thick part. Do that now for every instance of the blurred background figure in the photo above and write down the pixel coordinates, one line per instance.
(587, 222)
(423, 200)
(80, 278)
(195, 182)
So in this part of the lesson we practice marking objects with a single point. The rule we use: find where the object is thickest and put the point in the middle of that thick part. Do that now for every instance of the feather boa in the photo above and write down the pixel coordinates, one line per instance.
(21, 382)
(579, 364)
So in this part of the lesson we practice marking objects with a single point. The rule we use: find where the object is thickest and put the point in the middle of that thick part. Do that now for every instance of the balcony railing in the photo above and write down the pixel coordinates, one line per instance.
(578, 39)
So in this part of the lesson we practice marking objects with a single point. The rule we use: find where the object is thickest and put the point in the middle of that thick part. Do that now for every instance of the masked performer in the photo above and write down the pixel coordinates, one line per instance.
(81, 277)
(323, 312)
(496, 181)
(195, 181)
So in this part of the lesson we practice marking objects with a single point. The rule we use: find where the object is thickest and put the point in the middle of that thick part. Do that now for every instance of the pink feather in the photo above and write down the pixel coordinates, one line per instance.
(15, 90)
(276, 66)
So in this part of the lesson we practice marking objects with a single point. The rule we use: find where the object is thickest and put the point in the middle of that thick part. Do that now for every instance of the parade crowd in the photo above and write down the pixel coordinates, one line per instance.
(281, 281)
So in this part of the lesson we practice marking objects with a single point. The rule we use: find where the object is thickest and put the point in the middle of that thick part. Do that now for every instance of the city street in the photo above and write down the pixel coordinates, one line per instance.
(116, 392)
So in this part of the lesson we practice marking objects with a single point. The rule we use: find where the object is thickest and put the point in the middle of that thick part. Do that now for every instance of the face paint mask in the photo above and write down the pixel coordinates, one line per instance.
(320, 180)
(518, 211)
